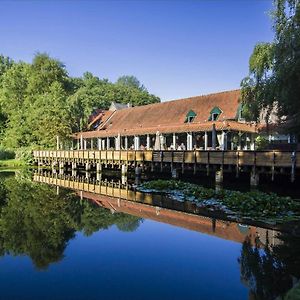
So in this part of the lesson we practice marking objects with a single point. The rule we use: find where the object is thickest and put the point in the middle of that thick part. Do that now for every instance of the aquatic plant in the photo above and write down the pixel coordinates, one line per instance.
(254, 204)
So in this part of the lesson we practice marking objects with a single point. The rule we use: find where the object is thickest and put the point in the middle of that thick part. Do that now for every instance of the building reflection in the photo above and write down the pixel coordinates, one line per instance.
(119, 196)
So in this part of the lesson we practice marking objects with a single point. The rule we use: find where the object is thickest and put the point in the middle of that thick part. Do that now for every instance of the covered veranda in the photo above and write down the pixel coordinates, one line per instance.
(226, 135)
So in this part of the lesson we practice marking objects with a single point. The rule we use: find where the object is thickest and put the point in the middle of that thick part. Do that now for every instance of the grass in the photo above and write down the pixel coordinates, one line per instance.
(12, 163)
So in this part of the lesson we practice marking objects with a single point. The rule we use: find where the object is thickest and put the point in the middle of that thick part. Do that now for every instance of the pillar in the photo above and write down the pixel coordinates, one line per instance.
(57, 142)
(81, 142)
(189, 141)
(240, 141)
(126, 142)
(78, 144)
(224, 141)
(205, 140)
(174, 141)
(246, 141)
(118, 142)
(84, 144)
(148, 142)
(107, 143)
(103, 144)
(213, 137)
(92, 144)
(252, 141)
(136, 143)
(99, 141)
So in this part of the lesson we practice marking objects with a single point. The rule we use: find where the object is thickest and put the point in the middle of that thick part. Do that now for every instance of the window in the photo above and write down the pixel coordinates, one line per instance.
(214, 114)
(191, 115)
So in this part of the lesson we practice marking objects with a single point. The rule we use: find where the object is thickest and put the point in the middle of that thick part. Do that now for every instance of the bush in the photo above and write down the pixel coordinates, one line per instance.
(6, 154)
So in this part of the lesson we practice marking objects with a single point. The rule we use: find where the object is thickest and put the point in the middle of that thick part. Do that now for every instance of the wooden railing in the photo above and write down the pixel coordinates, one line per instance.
(240, 158)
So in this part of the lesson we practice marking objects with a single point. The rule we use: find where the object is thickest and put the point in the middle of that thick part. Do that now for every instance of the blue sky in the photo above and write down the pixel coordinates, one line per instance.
(175, 48)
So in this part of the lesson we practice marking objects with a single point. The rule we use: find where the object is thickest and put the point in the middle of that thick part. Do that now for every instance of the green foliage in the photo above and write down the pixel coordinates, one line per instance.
(39, 101)
(274, 69)
(24, 154)
(96, 93)
(6, 154)
(130, 81)
(254, 204)
(261, 143)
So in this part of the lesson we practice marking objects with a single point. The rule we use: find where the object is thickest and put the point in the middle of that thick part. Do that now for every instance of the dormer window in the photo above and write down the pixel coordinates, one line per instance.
(191, 115)
(214, 114)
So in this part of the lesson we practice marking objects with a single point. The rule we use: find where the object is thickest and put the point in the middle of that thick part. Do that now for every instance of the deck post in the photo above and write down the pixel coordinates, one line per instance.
(254, 178)
(74, 166)
(175, 173)
(84, 144)
(107, 143)
(219, 176)
(87, 166)
(98, 167)
(205, 140)
(124, 170)
(99, 143)
(126, 142)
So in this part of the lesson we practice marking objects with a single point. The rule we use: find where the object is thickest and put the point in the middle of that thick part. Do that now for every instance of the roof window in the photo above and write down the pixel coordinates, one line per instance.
(214, 114)
(190, 116)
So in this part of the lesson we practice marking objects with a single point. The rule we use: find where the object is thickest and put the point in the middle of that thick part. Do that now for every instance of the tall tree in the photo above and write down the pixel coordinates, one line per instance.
(130, 81)
(274, 77)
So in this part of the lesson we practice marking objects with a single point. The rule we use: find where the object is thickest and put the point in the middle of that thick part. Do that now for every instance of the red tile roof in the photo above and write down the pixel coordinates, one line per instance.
(170, 116)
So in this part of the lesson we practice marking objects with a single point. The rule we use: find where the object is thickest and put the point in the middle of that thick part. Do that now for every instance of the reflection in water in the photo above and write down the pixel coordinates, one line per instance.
(35, 221)
(38, 222)
(271, 271)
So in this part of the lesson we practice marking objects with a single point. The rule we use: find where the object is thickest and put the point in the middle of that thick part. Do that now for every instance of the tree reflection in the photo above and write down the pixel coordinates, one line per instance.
(35, 221)
(270, 272)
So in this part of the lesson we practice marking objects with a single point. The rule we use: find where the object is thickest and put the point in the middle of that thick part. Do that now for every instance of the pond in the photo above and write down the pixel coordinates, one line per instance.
(59, 243)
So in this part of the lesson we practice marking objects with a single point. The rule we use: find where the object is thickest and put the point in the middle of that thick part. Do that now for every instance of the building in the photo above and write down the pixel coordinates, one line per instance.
(205, 122)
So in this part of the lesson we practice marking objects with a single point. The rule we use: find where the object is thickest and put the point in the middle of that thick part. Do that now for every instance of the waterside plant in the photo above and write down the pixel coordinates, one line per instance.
(255, 204)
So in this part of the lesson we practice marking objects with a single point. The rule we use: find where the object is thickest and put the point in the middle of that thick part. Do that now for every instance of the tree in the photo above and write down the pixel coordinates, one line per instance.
(130, 81)
(274, 68)
(39, 100)
(5, 64)
(95, 93)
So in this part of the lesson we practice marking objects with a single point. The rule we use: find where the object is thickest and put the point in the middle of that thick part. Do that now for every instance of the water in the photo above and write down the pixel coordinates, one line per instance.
(55, 244)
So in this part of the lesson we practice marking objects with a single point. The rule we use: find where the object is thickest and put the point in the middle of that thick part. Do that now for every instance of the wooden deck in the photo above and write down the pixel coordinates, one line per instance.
(276, 159)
